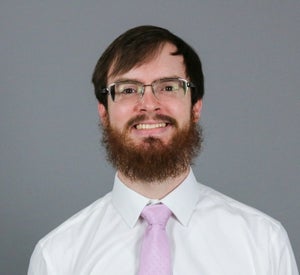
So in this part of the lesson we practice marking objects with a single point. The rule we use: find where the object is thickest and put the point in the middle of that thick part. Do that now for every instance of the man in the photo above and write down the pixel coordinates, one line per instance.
(149, 84)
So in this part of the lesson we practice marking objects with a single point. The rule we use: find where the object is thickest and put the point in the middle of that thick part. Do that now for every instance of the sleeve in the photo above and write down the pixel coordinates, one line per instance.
(39, 265)
(282, 257)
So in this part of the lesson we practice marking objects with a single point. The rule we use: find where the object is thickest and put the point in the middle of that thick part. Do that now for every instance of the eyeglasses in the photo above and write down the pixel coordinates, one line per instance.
(163, 89)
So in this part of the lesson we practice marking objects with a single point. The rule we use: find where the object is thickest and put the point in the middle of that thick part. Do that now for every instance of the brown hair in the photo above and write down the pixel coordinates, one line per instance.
(135, 47)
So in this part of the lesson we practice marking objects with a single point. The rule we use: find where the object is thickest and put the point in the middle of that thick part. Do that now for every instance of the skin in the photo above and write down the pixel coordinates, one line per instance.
(162, 66)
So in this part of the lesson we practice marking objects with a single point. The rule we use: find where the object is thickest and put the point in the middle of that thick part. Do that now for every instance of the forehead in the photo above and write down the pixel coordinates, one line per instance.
(161, 65)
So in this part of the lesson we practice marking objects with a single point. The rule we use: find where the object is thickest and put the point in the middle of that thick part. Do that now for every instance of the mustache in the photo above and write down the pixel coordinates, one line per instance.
(140, 118)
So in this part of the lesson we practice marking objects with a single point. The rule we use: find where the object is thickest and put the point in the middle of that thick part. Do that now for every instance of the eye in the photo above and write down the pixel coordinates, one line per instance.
(126, 89)
(169, 86)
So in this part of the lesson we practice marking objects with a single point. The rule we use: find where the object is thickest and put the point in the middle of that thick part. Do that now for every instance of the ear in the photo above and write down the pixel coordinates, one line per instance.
(103, 114)
(196, 109)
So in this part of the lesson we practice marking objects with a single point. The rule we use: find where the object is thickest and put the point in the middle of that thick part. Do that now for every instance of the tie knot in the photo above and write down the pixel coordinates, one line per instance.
(156, 214)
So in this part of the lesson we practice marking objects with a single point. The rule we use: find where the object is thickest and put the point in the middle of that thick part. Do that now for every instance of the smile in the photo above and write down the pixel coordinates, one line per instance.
(150, 126)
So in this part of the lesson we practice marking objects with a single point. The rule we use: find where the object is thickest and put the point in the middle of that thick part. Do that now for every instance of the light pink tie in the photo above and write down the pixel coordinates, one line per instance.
(155, 255)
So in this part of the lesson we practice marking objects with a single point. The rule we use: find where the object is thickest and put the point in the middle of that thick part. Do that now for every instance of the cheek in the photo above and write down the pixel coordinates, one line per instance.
(118, 115)
(181, 112)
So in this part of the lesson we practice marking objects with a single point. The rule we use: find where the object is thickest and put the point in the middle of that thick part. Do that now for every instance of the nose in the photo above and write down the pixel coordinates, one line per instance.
(149, 101)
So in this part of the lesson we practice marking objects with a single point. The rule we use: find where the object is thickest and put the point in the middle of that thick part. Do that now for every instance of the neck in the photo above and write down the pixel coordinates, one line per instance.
(154, 190)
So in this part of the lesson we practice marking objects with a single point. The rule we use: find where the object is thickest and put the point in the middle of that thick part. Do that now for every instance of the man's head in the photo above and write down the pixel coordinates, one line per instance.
(137, 46)
(149, 84)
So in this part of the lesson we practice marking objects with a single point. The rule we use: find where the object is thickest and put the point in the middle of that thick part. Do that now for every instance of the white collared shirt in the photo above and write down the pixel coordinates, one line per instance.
(209, 234)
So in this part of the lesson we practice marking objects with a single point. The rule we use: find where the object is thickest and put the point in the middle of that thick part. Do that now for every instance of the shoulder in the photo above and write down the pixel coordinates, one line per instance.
(227, 210)
(79, 223)
(225, 218)
(58, 250)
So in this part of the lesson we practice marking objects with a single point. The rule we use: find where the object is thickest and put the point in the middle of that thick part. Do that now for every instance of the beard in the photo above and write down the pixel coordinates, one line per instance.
(152, 160)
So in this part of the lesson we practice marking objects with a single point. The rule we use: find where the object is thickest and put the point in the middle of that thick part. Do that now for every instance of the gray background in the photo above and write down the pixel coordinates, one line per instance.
(51, 161)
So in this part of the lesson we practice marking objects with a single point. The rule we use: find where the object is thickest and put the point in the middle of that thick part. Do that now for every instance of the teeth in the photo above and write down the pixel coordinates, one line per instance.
(150, 126)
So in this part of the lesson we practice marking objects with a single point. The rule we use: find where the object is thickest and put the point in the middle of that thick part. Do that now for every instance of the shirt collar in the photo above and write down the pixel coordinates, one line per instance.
(127, 202)
(181, 201)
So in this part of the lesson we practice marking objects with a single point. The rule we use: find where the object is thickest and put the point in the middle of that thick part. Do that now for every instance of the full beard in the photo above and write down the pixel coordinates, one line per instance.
(152, 160)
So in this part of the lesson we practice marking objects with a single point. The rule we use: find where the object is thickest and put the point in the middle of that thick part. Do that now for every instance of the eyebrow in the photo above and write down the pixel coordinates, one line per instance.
(139, 81)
